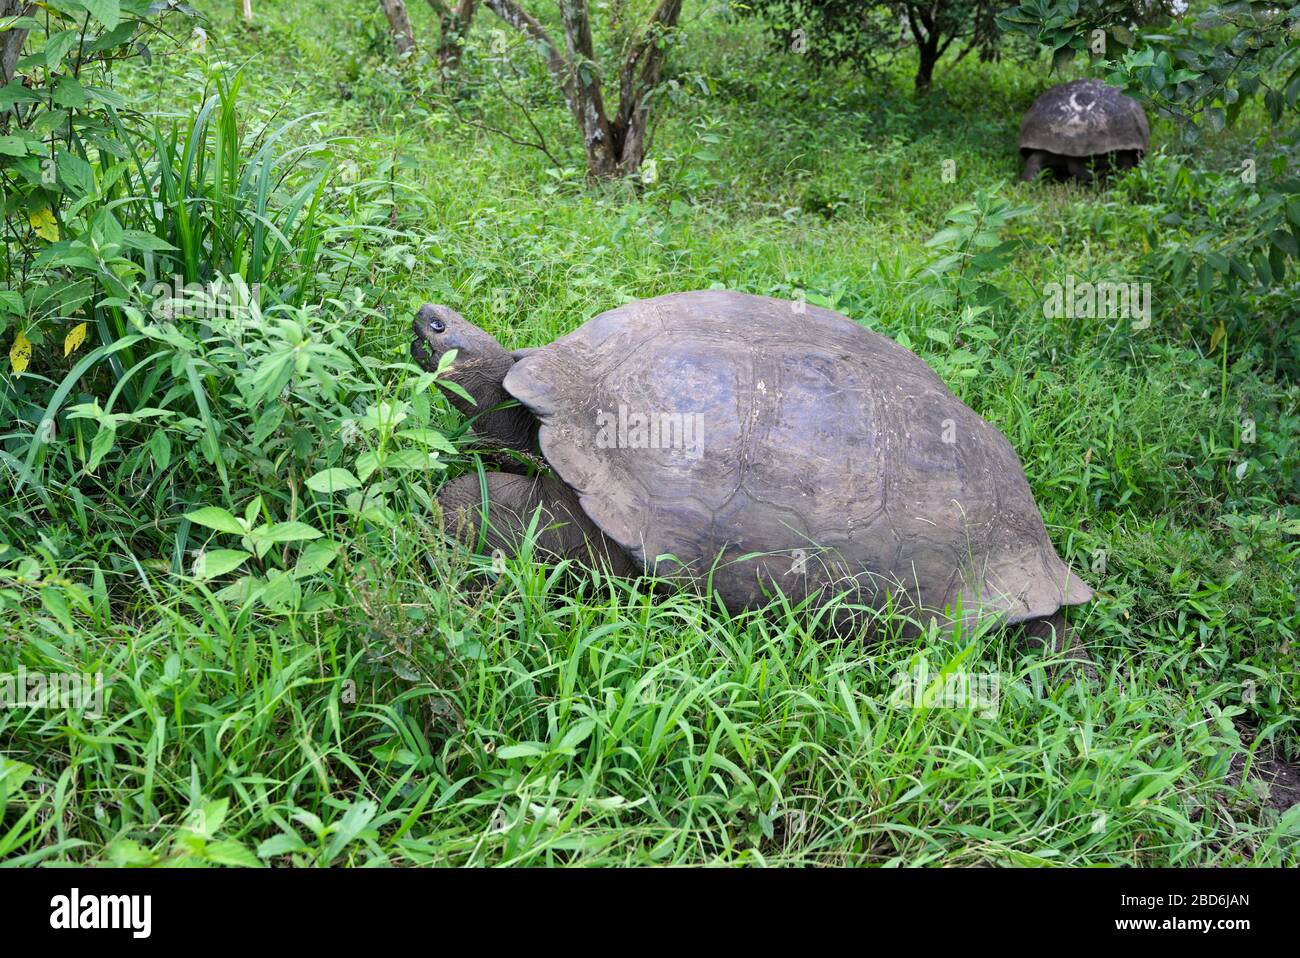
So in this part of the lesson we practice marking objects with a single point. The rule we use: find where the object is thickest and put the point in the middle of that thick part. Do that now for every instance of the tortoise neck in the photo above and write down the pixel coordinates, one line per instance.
(494, 415)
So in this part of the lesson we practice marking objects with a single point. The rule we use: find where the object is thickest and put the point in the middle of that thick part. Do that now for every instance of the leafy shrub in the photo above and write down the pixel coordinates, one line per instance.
(60, 113)
(204, 367)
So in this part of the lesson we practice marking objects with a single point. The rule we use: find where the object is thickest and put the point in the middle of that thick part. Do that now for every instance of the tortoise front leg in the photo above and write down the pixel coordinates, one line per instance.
(1034, 164)
(563, 530)
(1052, 633)
(1126, 159)
(1080, 169)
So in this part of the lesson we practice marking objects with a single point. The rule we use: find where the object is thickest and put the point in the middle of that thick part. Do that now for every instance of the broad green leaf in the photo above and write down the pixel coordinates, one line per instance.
(107, 12)
(206, 820)
(281, 592)
(15, 92)
(1262, 268)
(76, 174)
(101, 445)
(412, 459)
(333, 480)
(232, 854)
(12, 776)
(523, 750)
(355, 820)
(1204, 278)
(160, 446)
(214, 517)
(278, 845)
(1284, 241)
(57, 47)
(428, 437)
(56, 603)
(288, 532)
(367, 463)
(69, 93)
(139, 239)
(315, 557)
(215, 562)
(19, 23)
(123, 852)
(575, 736)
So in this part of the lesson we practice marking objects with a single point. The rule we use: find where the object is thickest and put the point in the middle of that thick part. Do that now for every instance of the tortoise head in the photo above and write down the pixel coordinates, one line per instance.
(440, 329)
(479, 367)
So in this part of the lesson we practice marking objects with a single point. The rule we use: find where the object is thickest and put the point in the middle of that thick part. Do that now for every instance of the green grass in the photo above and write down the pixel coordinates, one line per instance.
(390, 713)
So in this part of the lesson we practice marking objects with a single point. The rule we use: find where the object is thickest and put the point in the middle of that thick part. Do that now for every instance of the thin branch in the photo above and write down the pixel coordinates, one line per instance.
(520, 19)
(528, 116)
(489, 128)
(632, 89)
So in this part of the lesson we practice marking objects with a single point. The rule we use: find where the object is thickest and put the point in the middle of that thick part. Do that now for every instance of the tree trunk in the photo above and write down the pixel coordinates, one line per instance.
(454, 23)
(11, 41)
(589, 103)
(614, 147)
(926, 33)
(928, 53)
(637, 80)
(248, 11)
(399, 25)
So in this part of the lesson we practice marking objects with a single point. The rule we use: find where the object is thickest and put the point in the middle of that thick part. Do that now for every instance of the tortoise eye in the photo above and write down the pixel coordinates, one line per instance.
(437, 325)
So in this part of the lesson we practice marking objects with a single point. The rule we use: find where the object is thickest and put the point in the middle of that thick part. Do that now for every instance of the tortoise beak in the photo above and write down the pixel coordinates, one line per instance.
(420, 353)
(422, 340)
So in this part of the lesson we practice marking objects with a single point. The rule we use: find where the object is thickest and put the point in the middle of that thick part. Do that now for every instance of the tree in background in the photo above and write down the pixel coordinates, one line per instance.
(615, 144)
(454, 20)
(399, 25)
(859, 32)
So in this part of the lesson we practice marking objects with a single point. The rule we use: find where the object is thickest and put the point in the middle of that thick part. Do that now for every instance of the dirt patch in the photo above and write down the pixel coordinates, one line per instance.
(1275, 780)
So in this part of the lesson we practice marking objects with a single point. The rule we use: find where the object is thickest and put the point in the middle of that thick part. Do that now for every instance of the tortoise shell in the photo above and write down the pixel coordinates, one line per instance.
(1084, 118)
(744, 443)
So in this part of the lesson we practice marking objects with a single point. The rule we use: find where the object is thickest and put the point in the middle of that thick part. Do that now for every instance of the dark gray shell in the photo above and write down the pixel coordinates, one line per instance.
(828, 459)
(1084, 118)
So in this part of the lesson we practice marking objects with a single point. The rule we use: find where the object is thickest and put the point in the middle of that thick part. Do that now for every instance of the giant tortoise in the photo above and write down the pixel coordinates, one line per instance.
(745, 445)
(1081, 129)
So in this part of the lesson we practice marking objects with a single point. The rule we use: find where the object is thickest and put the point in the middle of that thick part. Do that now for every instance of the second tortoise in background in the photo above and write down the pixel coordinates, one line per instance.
(1082, 129)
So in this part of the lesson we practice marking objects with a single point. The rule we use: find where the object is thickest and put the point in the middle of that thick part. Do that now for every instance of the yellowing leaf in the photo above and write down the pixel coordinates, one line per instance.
(44, 224)
(20, 353)
(1217, 336)
(75, 337)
